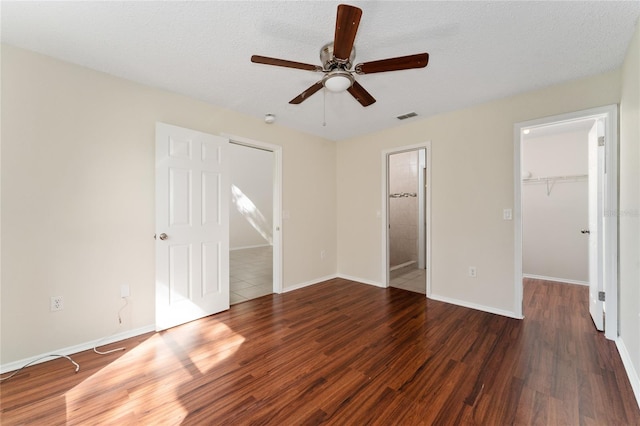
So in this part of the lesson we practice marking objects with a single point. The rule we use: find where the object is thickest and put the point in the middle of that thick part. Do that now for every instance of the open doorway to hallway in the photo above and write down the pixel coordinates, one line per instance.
(251, 223)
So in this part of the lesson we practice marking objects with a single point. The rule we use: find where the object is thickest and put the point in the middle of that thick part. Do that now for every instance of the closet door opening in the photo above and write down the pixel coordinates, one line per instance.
(565, 191)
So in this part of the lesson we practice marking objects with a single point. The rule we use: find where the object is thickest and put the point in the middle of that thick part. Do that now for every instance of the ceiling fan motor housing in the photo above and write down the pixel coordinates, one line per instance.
(329, 62)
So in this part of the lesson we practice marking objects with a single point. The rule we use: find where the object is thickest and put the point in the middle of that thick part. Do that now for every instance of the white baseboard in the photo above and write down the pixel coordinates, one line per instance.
(70, 350)
(630, 369)
(308, 283)
(249, 247)
(477, 307)
(560, 280)
(402, 265)
(362, 280)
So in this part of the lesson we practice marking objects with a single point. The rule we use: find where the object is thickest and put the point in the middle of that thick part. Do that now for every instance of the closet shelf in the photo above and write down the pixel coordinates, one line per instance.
(544, 179)
(550, 181)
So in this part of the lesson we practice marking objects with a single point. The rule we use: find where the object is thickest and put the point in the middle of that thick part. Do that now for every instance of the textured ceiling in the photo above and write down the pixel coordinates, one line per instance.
(479, 51)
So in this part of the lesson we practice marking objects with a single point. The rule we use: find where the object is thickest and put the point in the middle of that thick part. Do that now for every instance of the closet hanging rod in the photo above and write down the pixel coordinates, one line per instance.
(554, 178)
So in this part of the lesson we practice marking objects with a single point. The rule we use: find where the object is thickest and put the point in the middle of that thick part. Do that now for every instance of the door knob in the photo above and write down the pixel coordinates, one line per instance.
(163, 236)
(584, 231)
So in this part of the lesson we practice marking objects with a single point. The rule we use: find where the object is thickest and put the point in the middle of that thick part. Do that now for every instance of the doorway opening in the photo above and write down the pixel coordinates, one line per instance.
(406, 224)
(555, 202)
(254, 221)
(566, 182)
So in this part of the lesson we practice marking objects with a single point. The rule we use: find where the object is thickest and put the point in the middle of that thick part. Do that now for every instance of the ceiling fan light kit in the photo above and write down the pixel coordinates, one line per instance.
(337, 81)
(337, 58)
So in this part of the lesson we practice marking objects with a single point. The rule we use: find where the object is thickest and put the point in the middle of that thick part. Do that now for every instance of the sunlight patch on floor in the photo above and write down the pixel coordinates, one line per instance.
(144, 384)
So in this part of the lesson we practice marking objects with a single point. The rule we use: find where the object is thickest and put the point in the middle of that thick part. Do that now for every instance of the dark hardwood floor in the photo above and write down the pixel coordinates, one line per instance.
(345, 353)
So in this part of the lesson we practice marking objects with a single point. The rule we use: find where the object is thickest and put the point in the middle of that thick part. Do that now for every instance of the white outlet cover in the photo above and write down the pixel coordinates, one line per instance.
(124, 290)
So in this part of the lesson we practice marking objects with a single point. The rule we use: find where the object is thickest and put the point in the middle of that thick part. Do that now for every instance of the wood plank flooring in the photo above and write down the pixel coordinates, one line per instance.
(345, 353)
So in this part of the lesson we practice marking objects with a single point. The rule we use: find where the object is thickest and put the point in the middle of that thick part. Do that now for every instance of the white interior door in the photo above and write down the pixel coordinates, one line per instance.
(596, 229)
(192, 225)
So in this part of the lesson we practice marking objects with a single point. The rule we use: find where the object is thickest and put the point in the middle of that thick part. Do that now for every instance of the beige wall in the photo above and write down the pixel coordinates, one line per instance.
(78, 199)
(629, 274)
(471, 183)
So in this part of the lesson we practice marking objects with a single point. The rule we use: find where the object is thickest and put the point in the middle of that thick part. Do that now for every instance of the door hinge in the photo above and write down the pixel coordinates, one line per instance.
(600, 140)
(601, 296)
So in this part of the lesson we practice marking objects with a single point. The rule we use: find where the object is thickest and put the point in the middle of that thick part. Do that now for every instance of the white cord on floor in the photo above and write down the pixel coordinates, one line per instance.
(2, 379)
(95, 348)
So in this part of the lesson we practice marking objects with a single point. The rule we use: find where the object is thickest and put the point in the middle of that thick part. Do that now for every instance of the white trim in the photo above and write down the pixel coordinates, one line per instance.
(308, 283)
(611, 222)
(384, 225)
(249, 247)
(634, 379)
(70, 350)
(560, 280)
(517, 219)
(277, 202)
(402, 265)
(609, 114)
(475, 306)
(362, 280)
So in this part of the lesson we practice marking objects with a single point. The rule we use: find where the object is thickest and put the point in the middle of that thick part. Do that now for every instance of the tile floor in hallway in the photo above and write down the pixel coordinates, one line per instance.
(409, 278)
(250, 273)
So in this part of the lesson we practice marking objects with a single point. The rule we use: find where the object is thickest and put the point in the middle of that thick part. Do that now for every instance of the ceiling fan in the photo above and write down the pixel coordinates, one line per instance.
(337, 58)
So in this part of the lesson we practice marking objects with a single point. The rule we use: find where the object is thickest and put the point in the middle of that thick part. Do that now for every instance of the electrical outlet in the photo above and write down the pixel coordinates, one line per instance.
(323, 254)
(472, 271)
(57, 303)
(124, 291)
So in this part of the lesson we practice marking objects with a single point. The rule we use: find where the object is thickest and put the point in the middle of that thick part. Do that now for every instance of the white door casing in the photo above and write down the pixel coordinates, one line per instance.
(192, 211)
(422, 206)
(596, 215)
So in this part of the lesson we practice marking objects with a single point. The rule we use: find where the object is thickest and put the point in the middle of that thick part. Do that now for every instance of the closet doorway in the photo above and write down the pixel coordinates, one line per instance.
(544, 185)
(406, 225)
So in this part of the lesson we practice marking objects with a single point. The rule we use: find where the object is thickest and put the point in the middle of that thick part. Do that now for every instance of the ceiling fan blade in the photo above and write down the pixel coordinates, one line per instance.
(347, 22)
(284, 63)
(361, 95)
(394, 64)
(307, 93)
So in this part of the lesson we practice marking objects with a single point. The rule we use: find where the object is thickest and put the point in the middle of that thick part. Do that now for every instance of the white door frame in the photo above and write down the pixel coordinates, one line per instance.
(609, 114)
(385, 210)
(277, 201)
